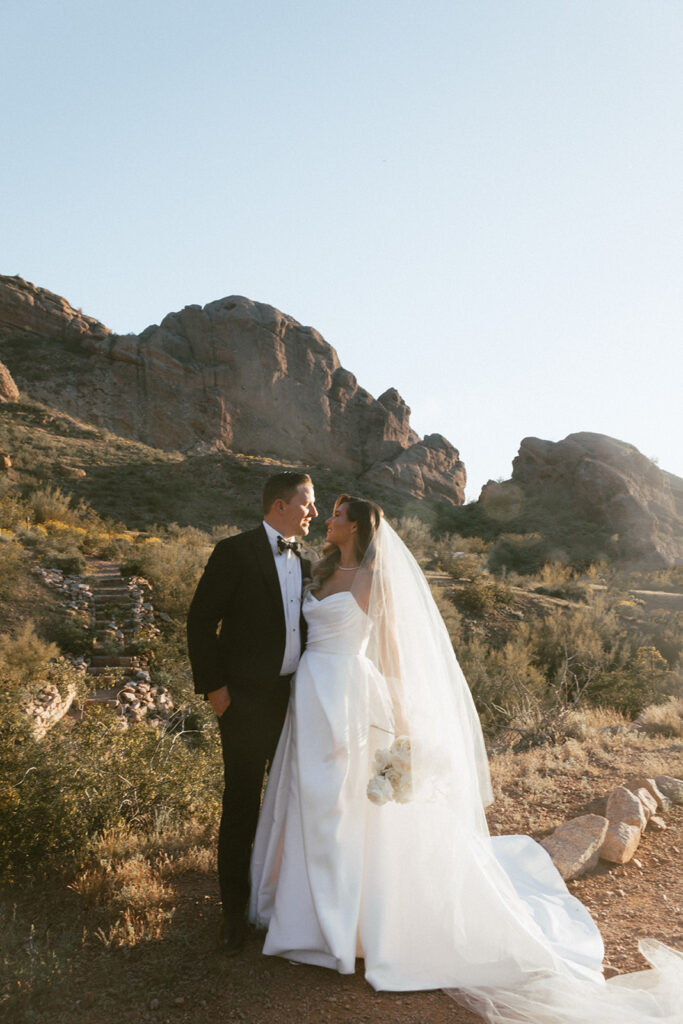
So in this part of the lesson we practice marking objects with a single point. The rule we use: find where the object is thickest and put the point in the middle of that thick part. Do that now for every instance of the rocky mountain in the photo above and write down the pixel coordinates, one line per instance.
(235, 375)
(618, 501)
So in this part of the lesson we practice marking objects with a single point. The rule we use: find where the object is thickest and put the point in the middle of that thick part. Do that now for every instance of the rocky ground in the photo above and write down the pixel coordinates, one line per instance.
(181, 979)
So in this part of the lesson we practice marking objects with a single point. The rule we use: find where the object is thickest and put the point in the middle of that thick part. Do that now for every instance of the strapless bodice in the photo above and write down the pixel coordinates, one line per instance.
(336, 624)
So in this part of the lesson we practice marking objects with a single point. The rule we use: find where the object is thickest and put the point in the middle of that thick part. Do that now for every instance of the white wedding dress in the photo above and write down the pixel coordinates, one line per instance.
(335, 877)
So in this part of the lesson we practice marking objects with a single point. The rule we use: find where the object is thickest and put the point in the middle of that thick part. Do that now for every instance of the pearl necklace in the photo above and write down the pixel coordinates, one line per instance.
(348, 568)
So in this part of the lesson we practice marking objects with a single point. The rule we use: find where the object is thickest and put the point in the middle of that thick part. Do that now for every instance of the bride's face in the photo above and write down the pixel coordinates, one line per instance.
(340, 529)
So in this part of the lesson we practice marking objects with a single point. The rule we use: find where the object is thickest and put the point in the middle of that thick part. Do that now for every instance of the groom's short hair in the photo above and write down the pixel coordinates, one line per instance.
(282, 486)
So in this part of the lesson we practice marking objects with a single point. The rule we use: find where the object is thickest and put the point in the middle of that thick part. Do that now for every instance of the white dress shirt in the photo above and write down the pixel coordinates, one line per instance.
(288, 567)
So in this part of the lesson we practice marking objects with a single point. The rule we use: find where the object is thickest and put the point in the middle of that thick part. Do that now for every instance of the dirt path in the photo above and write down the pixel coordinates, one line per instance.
(181, 979)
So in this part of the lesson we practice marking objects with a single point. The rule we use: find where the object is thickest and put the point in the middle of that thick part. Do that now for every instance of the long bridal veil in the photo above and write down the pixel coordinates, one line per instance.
(489, 920)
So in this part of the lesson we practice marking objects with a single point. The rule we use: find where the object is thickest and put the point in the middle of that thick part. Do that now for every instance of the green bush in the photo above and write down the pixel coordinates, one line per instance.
(481, 595)
(24, 658)
(14, 510)
(465, 568)
(13, 567)
(504, 682)
(523, 553)
(73, 636)
(57, 794)
(172, 565)
(416, 535)
(50, 503)
(70, 561)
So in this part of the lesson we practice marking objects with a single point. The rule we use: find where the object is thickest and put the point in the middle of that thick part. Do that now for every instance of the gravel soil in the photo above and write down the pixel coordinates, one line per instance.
(182, 977)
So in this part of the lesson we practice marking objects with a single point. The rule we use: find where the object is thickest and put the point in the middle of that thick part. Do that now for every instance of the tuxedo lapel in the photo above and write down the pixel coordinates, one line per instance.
(266, 564)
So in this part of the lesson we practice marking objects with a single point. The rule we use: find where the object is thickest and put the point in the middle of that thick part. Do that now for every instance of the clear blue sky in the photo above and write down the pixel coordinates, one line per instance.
(479, 203)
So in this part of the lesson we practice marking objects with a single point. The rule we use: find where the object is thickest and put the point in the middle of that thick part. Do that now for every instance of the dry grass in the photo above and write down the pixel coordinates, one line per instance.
(538, 789)
(130, 882)
(663, 719)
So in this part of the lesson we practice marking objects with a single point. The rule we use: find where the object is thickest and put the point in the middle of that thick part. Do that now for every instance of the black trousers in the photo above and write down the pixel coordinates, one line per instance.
(250, 729)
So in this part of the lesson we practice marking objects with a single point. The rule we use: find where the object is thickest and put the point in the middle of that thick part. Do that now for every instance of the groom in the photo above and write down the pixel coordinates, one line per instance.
(251, 587)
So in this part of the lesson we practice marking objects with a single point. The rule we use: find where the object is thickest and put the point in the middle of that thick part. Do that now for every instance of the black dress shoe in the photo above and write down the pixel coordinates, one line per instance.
(232, 934)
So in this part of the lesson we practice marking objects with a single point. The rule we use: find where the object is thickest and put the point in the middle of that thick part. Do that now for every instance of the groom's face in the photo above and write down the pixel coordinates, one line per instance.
(299, 511)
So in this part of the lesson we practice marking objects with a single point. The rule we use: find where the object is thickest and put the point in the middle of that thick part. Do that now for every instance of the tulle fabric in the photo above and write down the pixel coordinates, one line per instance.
(644, 997)
(419, 889)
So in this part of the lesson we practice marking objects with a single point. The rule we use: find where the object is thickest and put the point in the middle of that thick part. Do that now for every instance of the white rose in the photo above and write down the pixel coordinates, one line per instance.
(382, 760)
(379, 790)
(401, 753)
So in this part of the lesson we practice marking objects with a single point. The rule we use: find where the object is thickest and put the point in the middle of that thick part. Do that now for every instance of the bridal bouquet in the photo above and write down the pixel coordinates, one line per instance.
(393, 778)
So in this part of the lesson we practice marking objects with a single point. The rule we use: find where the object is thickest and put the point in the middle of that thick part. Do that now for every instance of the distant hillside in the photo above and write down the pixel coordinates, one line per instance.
(140, 485)
(235, 376)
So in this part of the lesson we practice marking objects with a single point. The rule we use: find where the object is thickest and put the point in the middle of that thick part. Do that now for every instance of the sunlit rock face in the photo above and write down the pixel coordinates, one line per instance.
(9, 392)
(28, 309)
(603, 482)
(235, 375)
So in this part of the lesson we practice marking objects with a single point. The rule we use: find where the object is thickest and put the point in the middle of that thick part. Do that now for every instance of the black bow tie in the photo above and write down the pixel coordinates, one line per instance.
(288, 545)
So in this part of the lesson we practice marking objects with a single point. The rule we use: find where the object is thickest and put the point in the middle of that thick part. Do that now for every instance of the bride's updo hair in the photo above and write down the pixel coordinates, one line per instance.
(367, 516)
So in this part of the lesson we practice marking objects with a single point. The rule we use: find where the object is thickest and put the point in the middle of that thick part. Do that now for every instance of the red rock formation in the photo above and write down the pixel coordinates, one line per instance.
(600, 481)
(237, 376)
(23, 307)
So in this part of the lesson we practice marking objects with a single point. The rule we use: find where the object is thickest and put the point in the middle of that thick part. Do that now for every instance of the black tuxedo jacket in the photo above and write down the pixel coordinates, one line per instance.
(239, 590)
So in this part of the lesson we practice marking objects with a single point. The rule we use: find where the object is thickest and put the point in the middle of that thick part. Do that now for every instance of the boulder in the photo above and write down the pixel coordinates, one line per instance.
(648, 802)
(575, 846)
(624, 806)
(670, 787)
(430, 468)
(642, 782)
(9, 392)
(5, 461)
(620, 842)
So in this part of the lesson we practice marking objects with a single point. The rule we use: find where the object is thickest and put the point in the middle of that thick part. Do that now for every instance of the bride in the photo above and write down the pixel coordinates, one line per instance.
(415, 885)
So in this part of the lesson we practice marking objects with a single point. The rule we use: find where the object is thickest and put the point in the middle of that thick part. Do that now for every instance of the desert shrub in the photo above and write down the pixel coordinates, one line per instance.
(173, 566)
(223, 530)
(524, 553)
(559, 580)
(111, 546)
(416, 535)
(57, 794)
(24, 657)
(467, 567)
(555, 575)
(575, 591)
(670, 578)
(504, 682)
(73, 635)
(663, 719)
(51, 503)
(666, 633)
(452, 550)
(69, 560)
(13, 566)
(481, 595)
(14, 510)
(451, 617)
(590, 652)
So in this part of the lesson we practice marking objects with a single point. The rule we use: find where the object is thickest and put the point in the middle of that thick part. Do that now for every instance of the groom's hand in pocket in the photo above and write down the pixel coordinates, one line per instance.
(220, 700)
